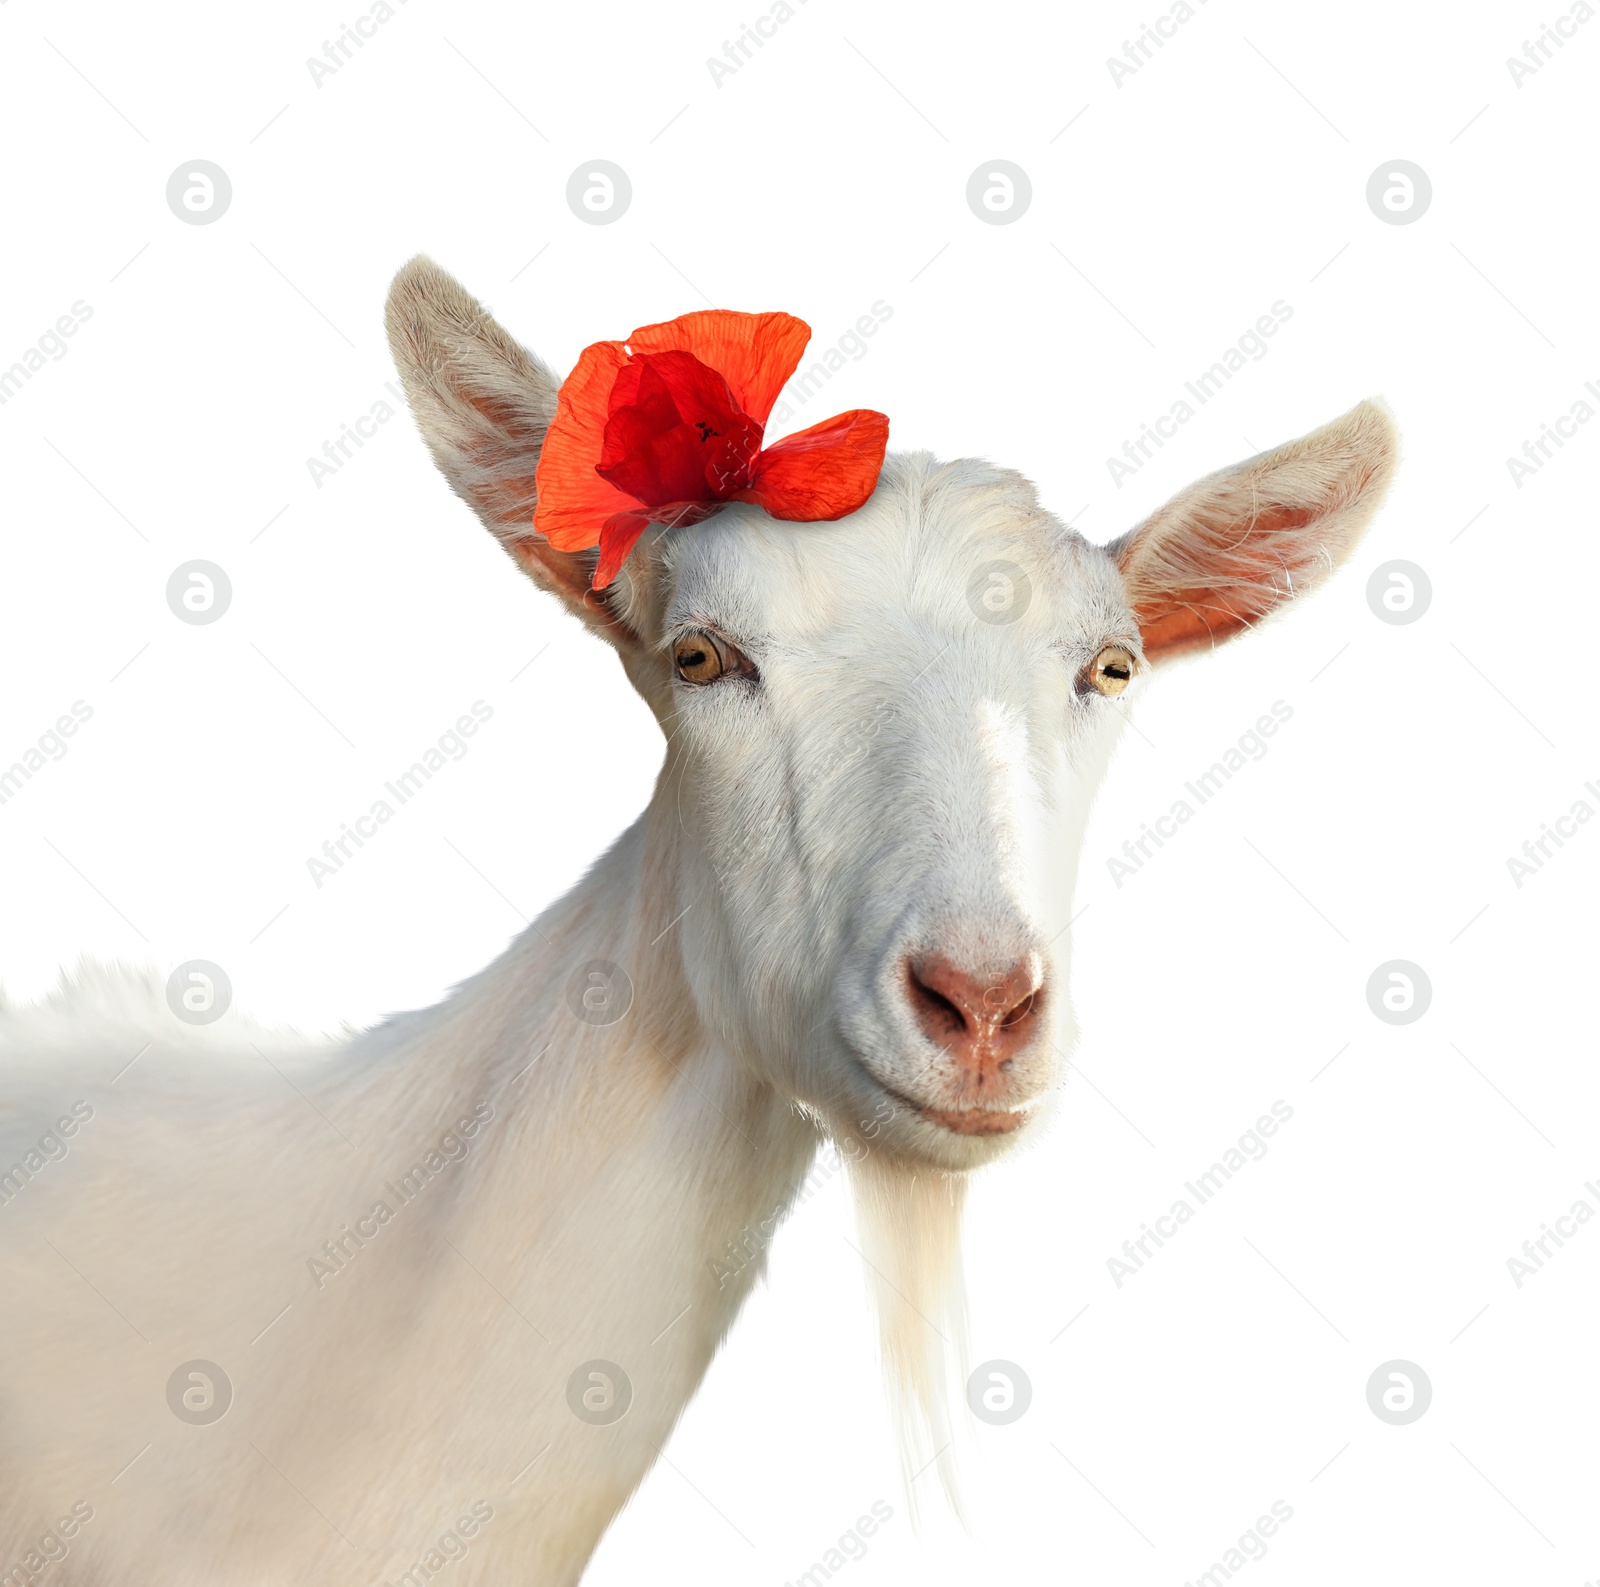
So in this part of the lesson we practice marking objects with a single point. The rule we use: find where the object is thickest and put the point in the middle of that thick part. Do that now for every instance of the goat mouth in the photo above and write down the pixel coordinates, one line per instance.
(973, 1121)
(963, 1121)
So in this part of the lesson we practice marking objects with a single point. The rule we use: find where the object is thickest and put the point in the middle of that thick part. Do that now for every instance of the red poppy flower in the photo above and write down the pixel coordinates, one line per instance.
(667, 428)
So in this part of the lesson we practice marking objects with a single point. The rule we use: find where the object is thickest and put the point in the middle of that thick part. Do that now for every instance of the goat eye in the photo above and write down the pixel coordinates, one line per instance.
(702, 658)
(698, 658)
(1109, 673)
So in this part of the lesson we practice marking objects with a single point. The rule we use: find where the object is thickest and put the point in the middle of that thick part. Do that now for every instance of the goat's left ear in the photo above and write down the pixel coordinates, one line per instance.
(1235, 546)
(483, 403)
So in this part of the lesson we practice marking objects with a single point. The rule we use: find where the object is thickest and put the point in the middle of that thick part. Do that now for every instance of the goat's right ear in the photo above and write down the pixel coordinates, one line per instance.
(1238, 544)
(483, 403)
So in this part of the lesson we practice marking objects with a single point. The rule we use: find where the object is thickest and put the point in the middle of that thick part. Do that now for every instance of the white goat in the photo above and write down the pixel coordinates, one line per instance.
(457, 1314)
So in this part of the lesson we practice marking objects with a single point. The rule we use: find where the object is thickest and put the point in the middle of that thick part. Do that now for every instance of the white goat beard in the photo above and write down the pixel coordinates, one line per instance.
(910, 1223)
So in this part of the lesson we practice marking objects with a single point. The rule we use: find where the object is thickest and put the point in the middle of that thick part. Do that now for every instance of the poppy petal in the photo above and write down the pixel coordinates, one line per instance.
(649, 451)
(681, 438)
(573, 501)
(661, 468)
(823, 473)
(755, 353)
(700, 394)
(618, 537)
(650, 411)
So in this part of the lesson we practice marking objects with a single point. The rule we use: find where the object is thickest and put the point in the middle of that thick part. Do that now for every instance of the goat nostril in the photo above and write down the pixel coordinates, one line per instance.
(948, 1002)
(936, 1013)
(1021, 1010)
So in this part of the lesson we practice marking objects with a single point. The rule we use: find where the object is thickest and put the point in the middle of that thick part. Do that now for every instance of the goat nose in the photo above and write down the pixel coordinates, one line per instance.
(980, 1020)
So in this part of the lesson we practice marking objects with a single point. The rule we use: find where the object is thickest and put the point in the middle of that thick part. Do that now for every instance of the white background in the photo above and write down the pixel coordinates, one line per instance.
(1168, 213)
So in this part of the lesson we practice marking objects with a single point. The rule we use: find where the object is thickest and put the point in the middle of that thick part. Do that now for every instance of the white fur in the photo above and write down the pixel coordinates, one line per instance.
(904, 776)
